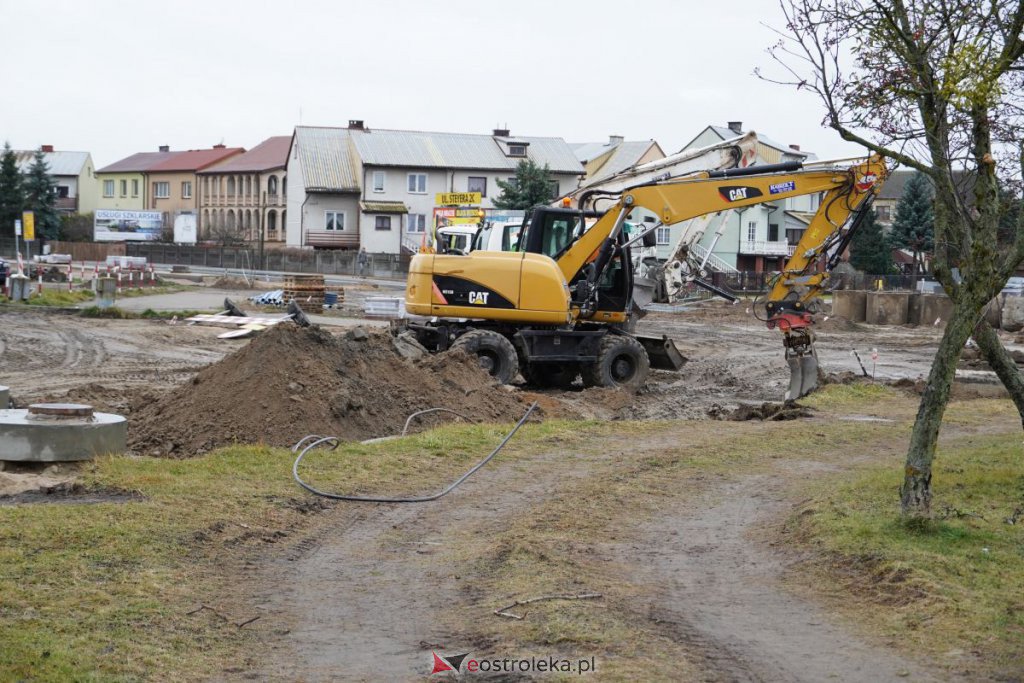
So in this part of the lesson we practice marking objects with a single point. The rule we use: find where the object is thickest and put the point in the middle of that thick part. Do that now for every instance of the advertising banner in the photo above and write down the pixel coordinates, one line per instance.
(121, 226)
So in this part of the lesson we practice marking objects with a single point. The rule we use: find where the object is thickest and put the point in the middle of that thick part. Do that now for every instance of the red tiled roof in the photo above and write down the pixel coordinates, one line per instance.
(269, 154)
(194, 159)
(137, 163)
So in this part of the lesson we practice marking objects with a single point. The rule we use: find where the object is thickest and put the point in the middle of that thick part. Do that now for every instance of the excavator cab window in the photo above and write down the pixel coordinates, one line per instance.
(551, 231)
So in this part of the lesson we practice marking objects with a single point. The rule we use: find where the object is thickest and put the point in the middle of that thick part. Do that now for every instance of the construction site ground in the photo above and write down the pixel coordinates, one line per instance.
(680, 518)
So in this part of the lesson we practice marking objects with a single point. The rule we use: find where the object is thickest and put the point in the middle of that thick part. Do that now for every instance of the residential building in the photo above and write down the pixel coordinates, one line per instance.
(245, 195)
(73, 173)
(163, 181)
(172, 182)
(757, 238)
(358, 186)
(603, 159)
(122, 184)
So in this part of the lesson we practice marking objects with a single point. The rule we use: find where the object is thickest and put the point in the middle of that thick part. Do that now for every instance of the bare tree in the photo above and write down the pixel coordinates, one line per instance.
(935, 85)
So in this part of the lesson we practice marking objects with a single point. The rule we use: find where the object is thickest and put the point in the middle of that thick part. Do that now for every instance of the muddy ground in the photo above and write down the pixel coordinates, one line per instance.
(346, 598)
(732, 359)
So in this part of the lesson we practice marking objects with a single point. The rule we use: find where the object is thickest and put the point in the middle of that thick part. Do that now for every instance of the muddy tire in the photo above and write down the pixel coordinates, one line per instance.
(621, 363)
(496, 354)
(551, 375)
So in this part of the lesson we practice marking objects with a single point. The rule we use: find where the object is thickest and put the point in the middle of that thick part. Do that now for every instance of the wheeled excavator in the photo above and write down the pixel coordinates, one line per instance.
(562, 306)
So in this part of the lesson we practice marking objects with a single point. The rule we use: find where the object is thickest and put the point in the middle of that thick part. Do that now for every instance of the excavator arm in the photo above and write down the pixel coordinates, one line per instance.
(847, 193)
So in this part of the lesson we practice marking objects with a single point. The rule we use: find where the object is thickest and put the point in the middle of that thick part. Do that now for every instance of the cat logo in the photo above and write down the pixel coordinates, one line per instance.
(479, 298)
(736, 193)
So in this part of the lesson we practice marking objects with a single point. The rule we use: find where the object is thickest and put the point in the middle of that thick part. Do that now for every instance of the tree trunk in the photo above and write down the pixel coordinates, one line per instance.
(1000, 361)
(915, 494)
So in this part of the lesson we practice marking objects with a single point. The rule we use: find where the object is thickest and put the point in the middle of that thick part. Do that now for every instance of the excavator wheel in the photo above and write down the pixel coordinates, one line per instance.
(496, 353)
(621, 362)
(551, 375)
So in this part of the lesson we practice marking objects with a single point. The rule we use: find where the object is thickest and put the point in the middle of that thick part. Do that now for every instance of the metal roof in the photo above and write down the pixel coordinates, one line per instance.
(626, 154)
(270, 154)
(383, 207)
(379, 147)
(326, 156)
(59, 163)
(725, 133)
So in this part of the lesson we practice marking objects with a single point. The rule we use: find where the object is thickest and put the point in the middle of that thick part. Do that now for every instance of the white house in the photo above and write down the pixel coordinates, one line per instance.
(358, 186)
(73, 173)
(760, 237)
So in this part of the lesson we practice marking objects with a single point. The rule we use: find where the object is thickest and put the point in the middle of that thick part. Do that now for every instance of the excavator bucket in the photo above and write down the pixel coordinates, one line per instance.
(663, 352)
(803, 375)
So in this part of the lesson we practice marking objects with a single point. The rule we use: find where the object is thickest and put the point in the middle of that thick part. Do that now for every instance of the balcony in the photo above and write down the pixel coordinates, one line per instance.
(66, 204)
(764, 248)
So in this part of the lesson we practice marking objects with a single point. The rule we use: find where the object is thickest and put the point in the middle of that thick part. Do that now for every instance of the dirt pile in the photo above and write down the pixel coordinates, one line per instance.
(774, 412)
(292, 381)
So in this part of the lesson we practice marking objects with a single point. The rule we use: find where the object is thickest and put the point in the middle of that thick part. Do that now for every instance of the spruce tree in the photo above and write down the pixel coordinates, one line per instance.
(12, 198)
(41, 197)
(869, 250)
(914, 225)
(532, 186)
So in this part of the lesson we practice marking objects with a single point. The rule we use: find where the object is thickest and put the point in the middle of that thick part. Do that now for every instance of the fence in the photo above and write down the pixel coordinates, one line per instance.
(749, 281)
(329, 262)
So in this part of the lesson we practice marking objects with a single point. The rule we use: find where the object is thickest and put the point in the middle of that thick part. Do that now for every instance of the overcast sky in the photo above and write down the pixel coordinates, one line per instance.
(115, 78)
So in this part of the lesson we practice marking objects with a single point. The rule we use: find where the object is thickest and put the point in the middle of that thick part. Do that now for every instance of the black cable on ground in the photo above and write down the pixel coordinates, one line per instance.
(318, 440)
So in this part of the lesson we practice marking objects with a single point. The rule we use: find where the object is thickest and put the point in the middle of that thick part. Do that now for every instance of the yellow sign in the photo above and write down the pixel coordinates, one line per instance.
(457, 198)
(28, 220)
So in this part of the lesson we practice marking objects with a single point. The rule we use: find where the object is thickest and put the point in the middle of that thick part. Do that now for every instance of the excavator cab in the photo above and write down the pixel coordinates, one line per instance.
(552, 232)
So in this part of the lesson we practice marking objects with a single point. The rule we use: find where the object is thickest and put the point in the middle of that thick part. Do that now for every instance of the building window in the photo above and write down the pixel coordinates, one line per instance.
(555, 194)
(334, 220)
(517, 150)
(124, 188)
(108, 188)
(162, 190)
(135, 188)
(773, 232)
(884, 213)
(512, 182)
(63, 191)
(186, 189)
(382, 223)
(477, 184)
(751, 231)
(418, 183)
(663, 235)
(417, 223)
(378, 181)
(272, 186)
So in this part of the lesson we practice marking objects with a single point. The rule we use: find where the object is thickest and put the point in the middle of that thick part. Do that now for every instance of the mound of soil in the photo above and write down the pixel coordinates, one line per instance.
(291, 381)
(766, 411)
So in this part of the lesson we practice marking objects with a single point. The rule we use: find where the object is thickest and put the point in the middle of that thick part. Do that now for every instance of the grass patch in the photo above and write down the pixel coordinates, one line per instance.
(132, 292)
(101, 591)
(110, 312)
(114, 312)
(950, 585)
(59, 298)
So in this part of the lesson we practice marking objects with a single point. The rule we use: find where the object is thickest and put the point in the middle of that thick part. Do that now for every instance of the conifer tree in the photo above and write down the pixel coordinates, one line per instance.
(12, 198)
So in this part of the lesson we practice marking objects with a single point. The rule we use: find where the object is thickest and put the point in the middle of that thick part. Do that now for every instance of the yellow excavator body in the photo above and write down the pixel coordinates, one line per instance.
(511, 287)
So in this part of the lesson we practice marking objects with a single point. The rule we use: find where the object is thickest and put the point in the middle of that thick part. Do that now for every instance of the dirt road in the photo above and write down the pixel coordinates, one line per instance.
(370, 592)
